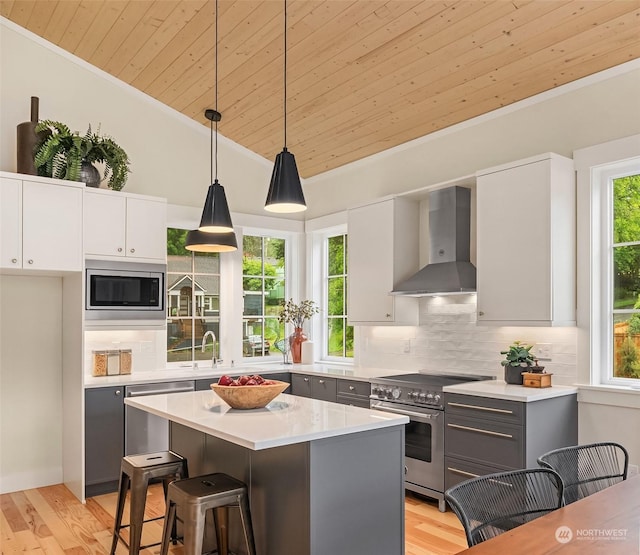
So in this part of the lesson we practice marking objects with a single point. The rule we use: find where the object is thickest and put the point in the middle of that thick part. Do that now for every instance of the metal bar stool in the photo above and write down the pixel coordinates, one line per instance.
(194, 497)
(136, 472)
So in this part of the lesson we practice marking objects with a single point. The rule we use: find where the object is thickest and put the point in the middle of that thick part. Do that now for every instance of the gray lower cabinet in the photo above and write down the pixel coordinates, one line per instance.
(104, 439)
(315, 387)
(484, 435)
(353, 392)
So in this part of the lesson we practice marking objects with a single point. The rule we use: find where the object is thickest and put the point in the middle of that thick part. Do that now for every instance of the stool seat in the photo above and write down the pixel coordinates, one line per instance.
(194, 497)
(135, 473)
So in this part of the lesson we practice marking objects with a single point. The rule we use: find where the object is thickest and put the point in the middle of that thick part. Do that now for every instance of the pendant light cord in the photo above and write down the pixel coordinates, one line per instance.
(285, 74)
(216, 93)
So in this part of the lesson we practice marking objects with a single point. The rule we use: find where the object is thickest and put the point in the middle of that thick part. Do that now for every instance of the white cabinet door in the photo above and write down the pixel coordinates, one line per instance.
(104, 223)
(117, 224)
(10, 223)
(146, 228)
(51, 227)
(526, 243)
(383, 250)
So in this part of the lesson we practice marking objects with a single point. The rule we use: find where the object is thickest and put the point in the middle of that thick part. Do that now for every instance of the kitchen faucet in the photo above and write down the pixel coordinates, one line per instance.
(214, 360)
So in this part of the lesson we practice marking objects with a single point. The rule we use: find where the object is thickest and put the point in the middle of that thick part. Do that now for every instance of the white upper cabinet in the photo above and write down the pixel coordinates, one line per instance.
(40, 223)
(526, 243)
(124, 225)
(382, 251)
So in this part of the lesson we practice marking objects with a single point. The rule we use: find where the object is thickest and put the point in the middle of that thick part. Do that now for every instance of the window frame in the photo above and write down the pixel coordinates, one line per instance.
(325, 295)
(604, 178)
(292, 287)
(220, 343)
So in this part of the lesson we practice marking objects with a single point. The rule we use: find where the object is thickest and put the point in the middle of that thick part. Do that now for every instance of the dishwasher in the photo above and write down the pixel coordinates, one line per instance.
(145, 432)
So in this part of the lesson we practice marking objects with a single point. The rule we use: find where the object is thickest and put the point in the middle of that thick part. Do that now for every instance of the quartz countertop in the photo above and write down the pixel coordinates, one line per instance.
(189, 373)
(498, 389)
(288, 419)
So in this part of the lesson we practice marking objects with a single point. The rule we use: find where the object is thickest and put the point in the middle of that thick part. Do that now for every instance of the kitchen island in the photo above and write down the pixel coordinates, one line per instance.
(323, 478)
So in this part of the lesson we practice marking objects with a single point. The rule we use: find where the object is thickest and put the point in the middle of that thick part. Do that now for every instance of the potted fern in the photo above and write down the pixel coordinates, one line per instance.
(64, 154)
(518, 359)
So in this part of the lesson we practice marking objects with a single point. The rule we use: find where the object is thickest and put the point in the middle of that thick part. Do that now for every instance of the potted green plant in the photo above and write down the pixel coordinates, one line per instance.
(64, 154)
(518, 358)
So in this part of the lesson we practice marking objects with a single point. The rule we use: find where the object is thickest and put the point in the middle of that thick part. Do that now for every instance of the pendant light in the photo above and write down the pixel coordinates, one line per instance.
(285, 191)
(215, 233)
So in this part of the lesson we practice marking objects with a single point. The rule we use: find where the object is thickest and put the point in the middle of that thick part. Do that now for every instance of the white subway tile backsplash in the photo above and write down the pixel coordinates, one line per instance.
(448, 340)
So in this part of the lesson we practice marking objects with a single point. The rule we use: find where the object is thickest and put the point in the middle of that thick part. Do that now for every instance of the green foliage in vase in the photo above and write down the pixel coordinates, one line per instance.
(518, 354)
(60, 153)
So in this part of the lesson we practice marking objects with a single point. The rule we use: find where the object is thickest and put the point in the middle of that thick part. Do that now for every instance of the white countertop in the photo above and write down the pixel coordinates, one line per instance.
(498, 389)
(288, 419)
(188, 373)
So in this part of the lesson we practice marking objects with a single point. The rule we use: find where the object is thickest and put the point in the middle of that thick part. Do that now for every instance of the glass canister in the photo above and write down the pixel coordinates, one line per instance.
(113, 363)
(100, 362)
(125, 361)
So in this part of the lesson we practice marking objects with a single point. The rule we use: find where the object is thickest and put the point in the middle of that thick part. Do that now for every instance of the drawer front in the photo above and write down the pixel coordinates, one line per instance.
(301, 385)
(509, 412)
(323, 388)
(459, 470)
(353, 400)
(484, 441)
(354, 387)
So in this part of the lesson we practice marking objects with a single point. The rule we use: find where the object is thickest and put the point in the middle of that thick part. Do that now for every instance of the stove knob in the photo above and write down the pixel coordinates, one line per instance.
(437, 398)
(413, 395)
(423, 397)
(374, 390)
(430, 397)
(396, 393)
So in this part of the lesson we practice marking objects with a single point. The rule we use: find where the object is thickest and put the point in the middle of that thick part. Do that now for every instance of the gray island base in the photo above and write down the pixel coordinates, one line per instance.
(333, 486)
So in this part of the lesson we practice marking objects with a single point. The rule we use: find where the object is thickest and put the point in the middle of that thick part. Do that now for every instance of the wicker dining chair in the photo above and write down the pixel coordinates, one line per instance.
(489, 505)
(587, 469)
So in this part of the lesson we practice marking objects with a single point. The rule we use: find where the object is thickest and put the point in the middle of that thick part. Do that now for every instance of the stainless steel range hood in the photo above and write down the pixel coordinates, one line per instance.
(450, 270)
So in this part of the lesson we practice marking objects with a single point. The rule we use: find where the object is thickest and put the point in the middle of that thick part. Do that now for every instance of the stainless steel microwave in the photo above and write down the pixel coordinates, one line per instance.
(124, 290)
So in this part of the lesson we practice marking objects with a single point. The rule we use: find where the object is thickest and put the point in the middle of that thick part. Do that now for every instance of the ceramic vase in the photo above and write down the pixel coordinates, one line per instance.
(513, 374)
(296, 339)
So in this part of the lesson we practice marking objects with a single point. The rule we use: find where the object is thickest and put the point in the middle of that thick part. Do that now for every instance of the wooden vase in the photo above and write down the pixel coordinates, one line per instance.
(296, 339)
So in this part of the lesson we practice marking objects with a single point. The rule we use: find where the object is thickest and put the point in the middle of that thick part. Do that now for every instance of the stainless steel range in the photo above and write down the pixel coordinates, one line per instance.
(420, 397)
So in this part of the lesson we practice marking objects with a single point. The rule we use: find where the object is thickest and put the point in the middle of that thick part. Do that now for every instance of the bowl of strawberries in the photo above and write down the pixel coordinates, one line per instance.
(248, 391)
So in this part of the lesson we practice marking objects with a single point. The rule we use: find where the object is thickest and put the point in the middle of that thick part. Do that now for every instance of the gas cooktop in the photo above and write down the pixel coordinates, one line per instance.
(418, 389)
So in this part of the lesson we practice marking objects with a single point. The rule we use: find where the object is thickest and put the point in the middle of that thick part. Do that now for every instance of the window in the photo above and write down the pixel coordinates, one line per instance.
(338, 334)
(624, 275)
(193, 300)
(263, 284)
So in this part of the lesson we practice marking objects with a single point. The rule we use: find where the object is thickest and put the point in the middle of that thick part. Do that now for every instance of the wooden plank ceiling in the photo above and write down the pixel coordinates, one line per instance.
(362, 75)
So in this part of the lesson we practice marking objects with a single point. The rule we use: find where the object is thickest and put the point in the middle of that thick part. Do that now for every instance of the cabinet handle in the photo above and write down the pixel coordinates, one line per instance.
(488, 409)
(119, 249)
(14, 260)
(132, 250)
(320, 382)
(351, 388)
(117, 392)
(480, 431)
(480, 313)
(388, 315)
(306, 379)
(30, 261)
(464, 473)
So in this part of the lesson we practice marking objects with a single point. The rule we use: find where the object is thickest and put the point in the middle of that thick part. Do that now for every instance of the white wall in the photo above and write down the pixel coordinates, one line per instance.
(30, 382)
(169, 152)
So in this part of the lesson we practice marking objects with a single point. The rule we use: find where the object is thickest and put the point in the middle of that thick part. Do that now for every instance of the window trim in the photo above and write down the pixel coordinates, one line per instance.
(605, 177)
(292, 286)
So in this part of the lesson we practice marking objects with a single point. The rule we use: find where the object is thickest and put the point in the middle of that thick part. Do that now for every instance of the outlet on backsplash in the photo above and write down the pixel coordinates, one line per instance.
(543, 351)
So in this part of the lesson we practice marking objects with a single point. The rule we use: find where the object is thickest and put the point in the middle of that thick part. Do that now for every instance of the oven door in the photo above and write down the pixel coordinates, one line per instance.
(424, 446)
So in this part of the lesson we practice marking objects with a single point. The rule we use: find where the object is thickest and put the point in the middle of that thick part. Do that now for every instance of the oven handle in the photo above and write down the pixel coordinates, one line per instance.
(417, 416)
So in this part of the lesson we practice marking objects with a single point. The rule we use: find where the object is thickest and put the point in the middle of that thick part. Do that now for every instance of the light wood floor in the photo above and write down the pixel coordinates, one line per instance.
(51, 520)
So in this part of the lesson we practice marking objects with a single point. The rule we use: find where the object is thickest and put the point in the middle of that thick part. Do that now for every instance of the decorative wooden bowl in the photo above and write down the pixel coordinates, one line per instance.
(249, 396)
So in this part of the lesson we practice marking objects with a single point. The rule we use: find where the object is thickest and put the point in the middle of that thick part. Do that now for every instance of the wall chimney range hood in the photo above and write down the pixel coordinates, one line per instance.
(449, 270)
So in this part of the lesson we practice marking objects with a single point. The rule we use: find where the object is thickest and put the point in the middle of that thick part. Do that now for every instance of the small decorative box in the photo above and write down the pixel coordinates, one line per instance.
(531, 379)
